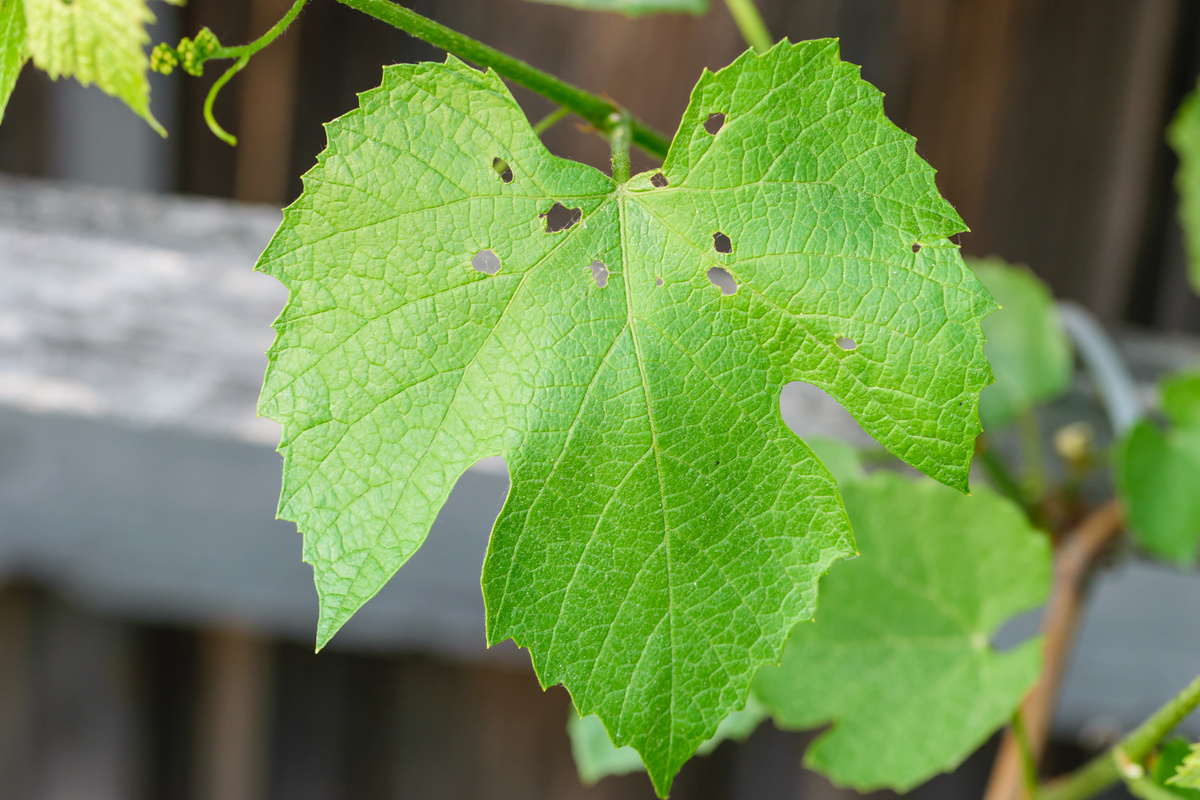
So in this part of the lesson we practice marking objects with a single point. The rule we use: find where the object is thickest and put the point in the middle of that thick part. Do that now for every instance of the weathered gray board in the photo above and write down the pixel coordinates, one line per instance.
(135, 477)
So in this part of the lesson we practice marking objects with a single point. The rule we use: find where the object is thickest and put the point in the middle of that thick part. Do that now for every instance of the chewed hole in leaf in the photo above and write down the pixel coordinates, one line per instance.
(714, 123)
(560, 218)
(846, 343)
(723, 280)
(721, 243)
(502, 169)
(658, 180)
(486, 261)
(916, 247)
(600, 273)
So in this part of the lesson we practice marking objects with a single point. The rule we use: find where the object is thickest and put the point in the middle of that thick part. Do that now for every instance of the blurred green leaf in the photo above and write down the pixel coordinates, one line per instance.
(1181, 399)
(1167, 771)
(842, 460)
(635, 8)
(1029, 352)
(1184, 137)
(898, 656)
(12, 48)
(596, 757)
(1158, 475)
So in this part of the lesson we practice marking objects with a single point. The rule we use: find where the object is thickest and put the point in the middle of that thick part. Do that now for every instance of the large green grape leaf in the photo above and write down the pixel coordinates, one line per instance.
(636, 8)
(664, 529)
(1026, 345)
(1184, 137)
(94, 41)
(1158, 473)
(898, 657)
(12, 48)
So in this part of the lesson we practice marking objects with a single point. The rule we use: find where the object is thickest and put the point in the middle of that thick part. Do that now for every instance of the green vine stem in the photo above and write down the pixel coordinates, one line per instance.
(595, 110)
(751, 24)
(620, 148)
(1124, 759)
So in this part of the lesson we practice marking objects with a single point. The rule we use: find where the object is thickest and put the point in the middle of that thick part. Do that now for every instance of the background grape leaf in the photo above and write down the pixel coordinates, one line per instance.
(597, 757)
(898, 657)
(1177, 769)
(636, 8)
(12, 48)
(1184, 137)
(1157, 475)
(94, 41)
(1027, 347)
(664, 530)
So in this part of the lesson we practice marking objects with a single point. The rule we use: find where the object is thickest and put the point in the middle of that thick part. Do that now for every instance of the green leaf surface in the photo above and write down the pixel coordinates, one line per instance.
(1180, 396)
(597, 757)
(1184, 137)
(1026, 345)
(1157, 477)
(94, 41)
(664, 529)
(636, 8)
(898, 657)
(1177, 769)
(12, 48)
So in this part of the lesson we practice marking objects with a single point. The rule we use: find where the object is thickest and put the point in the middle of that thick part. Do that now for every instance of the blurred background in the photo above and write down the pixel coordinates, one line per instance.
(155, 623)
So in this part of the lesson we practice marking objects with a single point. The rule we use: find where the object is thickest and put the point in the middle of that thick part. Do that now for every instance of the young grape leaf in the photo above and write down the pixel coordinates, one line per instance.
(1157, 475)
(898, 656)
(636, 8)
(94, 41)
(457, 292)
(1184, 137)
(12, 48)
(1029, 352)
(597, 757)
(1177, 769)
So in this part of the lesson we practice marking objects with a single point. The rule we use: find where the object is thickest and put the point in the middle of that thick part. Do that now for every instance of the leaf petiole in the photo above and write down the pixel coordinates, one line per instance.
(550, 120)
(620, 138)
(751, 24)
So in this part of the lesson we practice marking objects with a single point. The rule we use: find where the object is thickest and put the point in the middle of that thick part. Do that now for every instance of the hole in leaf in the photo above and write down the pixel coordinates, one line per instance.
(658, 180)
(723, 280)
(714, 123)
(916, 247)
(502, 169)
(846, 343)
(658, 282)
(560, 218)
(486, 261)
(721, 243)
(600, 273)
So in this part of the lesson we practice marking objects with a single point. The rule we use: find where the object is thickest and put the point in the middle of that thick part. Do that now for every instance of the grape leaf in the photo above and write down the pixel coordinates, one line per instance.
(898, 656)
(636, 8)
(1177, 769)
(1029, 352)
(597, 757)
(1157, 475)
(1180, 395)
(1184, 137)
(12, 48)
(94, 41)
(457, 292)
